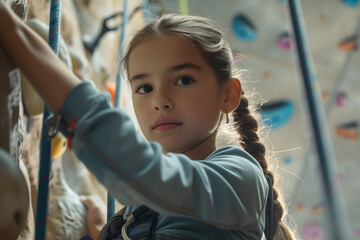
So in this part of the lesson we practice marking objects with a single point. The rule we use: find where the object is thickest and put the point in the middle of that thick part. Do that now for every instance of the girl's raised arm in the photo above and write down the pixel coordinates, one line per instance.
(52, 79)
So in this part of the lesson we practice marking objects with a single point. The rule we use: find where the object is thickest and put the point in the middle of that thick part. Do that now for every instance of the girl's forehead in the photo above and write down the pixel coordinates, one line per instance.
(164, 50)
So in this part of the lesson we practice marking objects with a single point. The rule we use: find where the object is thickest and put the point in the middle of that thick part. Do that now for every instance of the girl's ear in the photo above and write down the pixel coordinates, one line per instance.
(232, 95)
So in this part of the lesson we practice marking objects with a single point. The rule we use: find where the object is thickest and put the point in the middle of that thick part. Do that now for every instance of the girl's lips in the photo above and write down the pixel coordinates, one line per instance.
(166, 126)
(165, 123)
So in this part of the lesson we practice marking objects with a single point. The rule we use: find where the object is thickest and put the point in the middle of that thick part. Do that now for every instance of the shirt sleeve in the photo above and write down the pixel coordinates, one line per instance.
(227, 189)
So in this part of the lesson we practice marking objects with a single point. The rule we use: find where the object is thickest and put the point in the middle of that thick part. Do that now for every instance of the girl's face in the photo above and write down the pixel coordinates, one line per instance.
(176, 95)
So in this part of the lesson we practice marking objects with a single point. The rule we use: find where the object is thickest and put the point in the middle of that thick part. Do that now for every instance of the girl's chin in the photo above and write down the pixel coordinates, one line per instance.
(170, 149)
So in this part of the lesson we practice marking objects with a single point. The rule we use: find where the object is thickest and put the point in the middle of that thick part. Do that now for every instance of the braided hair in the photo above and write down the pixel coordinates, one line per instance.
(247, 126)
(206, 35)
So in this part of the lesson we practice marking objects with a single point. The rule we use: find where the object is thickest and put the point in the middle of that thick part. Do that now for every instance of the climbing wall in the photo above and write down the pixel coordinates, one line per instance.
(260, 35)
(21, 114)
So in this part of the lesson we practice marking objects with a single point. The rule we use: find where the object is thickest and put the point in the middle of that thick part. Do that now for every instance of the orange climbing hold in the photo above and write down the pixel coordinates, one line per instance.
(324, 95)
(299, 207)
(267, 75)
(111, 88)
(348, 131)
(317, 210)
(348, 44)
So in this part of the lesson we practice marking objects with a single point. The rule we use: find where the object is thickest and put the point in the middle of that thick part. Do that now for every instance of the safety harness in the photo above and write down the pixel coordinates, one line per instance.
(141, 224)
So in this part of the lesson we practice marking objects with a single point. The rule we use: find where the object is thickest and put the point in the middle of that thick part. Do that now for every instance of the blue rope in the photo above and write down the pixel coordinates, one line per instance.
(45, 145)
(318, 122)
(146, 12)
(122, 38)
(110, 200)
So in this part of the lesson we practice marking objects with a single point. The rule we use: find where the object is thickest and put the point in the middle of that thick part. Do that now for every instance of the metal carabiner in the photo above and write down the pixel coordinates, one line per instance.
(53, 124)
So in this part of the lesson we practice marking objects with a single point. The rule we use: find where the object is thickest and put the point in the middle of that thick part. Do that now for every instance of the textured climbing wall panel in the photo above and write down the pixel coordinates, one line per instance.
(260, 35)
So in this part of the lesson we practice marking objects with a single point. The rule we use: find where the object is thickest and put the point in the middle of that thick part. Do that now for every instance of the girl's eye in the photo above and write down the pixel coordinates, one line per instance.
(184, 81)
(144, 89)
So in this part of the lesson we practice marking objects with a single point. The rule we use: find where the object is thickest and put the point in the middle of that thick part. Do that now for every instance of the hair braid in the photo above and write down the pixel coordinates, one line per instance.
(247, 126)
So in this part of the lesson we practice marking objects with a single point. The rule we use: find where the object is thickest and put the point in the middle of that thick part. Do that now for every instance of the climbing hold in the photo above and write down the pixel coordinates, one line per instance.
(313, 231)
(299, 207)
(58, 145)
(348, 131)
(324, 95)
(244, 28)
(318, 209)
(80, 65)
(348, 44)
(285, 42)
(276, 114)
(340, 99)
(351, 3)
(14, 198)
(287, 160)
(267, 75)
(111, 88)
(31, 100)
(322, 17)
(183, 7)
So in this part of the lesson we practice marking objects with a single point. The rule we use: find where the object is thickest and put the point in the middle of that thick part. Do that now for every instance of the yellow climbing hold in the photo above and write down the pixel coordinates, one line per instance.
(183, 7)
(58, 145)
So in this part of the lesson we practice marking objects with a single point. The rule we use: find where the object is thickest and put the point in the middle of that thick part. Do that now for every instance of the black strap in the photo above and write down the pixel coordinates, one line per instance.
(143, 226)
(108, 231)
(269, 211)
(86, 237)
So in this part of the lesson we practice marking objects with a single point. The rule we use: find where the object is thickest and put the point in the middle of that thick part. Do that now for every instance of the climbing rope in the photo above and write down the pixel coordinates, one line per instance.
(110, 200)
(45, 145)
(317, 116)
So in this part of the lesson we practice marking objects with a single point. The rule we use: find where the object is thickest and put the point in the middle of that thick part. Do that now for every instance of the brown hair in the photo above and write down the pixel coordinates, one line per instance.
(205, 34)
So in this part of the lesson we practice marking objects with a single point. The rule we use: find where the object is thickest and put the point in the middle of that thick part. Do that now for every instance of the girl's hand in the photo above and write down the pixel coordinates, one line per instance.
(50, 77)
(96, 214)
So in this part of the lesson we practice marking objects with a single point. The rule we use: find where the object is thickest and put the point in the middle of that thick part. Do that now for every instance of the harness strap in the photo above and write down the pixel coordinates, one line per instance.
(142, 223)
(113, 227)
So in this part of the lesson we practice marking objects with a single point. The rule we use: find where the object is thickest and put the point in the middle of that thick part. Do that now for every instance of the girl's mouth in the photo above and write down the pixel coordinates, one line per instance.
(166, 126)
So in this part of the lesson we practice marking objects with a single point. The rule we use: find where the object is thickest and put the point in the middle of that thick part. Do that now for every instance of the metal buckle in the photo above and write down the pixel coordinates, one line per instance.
(53, 124)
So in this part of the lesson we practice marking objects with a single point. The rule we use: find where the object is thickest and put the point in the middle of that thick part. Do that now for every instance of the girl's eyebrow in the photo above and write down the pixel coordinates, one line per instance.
(139, 77)
(175, 68)
(183, 66)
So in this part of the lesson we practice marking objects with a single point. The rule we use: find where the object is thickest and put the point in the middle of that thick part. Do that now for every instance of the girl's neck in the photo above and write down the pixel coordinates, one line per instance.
(203, 149)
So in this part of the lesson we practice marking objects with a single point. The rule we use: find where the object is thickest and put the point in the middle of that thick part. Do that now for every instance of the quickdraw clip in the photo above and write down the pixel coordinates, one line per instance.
(53, 125)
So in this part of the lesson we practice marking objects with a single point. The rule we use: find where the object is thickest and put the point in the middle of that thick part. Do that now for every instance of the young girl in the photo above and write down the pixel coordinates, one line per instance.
(176, 183)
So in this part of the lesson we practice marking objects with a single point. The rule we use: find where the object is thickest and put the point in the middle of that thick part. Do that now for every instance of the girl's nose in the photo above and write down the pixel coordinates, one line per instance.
(164, 107)
(162, 102)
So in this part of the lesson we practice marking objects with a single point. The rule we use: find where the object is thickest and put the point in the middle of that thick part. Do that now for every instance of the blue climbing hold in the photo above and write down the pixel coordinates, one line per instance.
(244, 28)
(287, 160)
(276, 114)
(351, 3)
